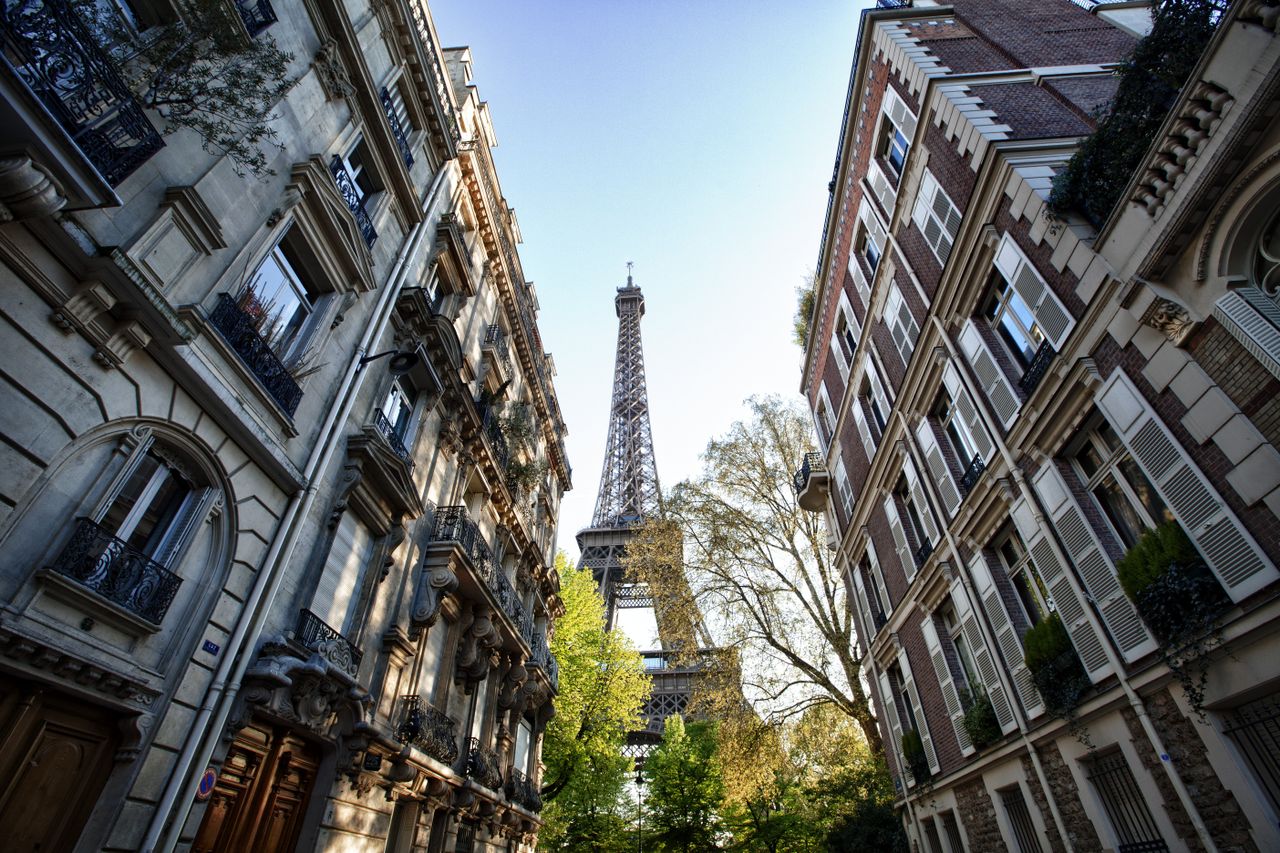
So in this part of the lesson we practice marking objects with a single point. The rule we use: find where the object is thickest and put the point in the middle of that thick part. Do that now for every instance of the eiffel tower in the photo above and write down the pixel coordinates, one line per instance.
(629, 495)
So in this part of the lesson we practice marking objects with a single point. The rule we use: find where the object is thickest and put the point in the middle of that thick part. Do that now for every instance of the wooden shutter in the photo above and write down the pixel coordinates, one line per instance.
(936, 217)
(917, 710)
(838, 354)
(877, 575)
(921, 504)
(902, 326)
(950, 697)
(1051, 315)
(905, 556)
(887, 702)
(866, 615)
(878, 391)
(860, 282)
(938, 468)
(1096, 571)
(843, 487)
(968, 412)
(1227, 547)
(896, 109)
(881, 188)
(982, 658)
(999, 391)
(859, 418)
(340, 579)
(1253, 320)
(1006, 636)
(1067, 601)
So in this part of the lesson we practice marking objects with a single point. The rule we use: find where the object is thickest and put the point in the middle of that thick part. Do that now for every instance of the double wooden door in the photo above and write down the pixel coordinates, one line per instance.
(262, 793)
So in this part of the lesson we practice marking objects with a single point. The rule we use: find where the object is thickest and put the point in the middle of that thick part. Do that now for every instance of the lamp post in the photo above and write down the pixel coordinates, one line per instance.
(639, 812)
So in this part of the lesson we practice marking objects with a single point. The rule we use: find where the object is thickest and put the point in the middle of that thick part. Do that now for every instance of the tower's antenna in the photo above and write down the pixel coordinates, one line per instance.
(630, 264)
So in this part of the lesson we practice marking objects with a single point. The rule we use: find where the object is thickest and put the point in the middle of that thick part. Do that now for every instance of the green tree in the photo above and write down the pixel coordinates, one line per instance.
(685, 789)
(603, 686)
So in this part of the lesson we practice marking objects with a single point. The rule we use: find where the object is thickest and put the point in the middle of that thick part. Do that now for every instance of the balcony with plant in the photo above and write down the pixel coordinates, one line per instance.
(979, 717)
(914, 755)
(1055, 666)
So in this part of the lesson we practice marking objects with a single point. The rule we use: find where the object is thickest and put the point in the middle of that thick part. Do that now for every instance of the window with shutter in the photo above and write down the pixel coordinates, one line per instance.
(878, 399)
(918, 518)
(1253, 319)
(1006, 636)
(911, 698)
(340, 579)
(1050, 315)
(876, 573)
(864, 431)
(995, 385)
(968, 422)
(844, 488)
(905, 557)
(1232, 554)
(826, 416)
(884, 191)
(939, 471)
(936, 216)
(888, 701)
(982, 659)
(865, 615)
(897, 127)
(902, 326)
(950, 695)
(860, 282)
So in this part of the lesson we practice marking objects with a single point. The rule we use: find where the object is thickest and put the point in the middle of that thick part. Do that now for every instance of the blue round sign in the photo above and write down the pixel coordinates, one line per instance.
(207, 783)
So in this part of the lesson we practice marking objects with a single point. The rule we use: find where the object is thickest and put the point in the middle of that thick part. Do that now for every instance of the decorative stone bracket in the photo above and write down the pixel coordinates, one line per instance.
(301, 687)
(1199, 118)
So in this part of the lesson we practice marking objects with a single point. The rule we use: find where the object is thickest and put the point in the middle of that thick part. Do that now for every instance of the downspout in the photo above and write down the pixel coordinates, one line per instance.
(222, 692)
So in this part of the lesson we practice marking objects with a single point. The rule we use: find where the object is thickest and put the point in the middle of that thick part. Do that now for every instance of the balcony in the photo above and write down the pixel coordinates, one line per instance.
(397, 128)
(971, 474)
(496, 349)
(453, 525)
(522, 791)
(923, 553)
(1035, 371)
(428, 729)
(482, 765)
(392, 436)
(314, 634)
(492, 431)
(354, 198)
(108, 566)
(811, 483)
(239, 331)
(257, 15)
(48, 46)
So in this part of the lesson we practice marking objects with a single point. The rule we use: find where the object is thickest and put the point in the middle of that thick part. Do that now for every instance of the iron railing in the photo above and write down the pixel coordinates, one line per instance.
(116, 571)
(482, 765)
(510, 603)
(493, 433)
(923, 553)
(1015, 809)
(50, 47)
(354, 198)
(257, 15)
(1036, 370)
(893, 4)
(317, 635)
(553, 672)
(439, 77)
(453, 525)
(497, 340)
(237, 329)
(812, 462)
(391, 435)
(521, 790)
(1125, 805)
(971, 474)
(397, 128)
(429, 729)
(1255, 729)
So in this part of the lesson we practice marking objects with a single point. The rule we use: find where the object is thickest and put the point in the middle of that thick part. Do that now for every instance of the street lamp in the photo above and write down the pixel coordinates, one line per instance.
(639, 812)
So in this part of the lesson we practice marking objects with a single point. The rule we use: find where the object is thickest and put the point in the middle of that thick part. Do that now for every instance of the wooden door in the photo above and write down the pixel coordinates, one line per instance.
(261, 795)
(55, 757)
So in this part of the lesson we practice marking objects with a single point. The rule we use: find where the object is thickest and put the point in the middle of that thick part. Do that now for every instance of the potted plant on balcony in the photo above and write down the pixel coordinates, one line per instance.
(980, 717)
(1055, 667)
(1177, 595)
(913, 754)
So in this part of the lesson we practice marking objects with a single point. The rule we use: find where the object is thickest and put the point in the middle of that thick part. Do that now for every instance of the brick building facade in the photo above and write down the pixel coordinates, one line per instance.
(1008, 402)
(281, 458)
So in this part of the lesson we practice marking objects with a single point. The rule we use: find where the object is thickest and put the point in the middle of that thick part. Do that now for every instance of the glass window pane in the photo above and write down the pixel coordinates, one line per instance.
(1124, 518)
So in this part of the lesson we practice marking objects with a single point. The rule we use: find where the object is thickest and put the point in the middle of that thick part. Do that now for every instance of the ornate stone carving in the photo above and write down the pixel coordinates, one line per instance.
(436, 581)
(310, 689)
(135, 731)
(332, 73)
(476, 648)
(1170, 319)
(512, 680)
(1200, 116)
(27, 191)
(91, 299)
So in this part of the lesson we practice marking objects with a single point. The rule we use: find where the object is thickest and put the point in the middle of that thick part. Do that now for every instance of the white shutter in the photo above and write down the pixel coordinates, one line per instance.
(860, 281)
(905, 556)
(866, 615)
(881, 188)
(982, 658)
(878, 390)
(936, 217)
(1253, 320)
(877, 575)
(1051, 315)
(902, 326)
(949, 695)
(843, 487)
(859, 418)
(896, 109)
(838, 354)
(923, 512)
(1095, 568)
(827, 411)
(1227, 547)
(924, 200)
(968, 413)
(999, 391)
(895, 726)
(343, 568)
(1006, 636)
(938, 468)
(1066, 600)
(917, 710)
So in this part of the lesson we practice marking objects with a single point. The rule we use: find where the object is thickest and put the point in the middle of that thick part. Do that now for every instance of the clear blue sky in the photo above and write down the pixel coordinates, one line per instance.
(694, 138)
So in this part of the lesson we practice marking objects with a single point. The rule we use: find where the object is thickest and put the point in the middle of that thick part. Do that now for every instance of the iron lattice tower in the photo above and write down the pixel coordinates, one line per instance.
(629, 495)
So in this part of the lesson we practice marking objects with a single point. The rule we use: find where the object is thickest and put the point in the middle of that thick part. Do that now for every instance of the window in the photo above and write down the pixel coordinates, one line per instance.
(910, 496)
(845, 489)
(1125, 804)
(875, 592)
(398, 406)
(931, 833)
(1254, 728)
(845, 334)
(948, 417)
(360, 166)
(893, 146)
(902, 325)
(875, 404)
(278, 300)
(1013, 322)
(1117, 484)
(936, 217)
(953, 631)
(1025, 835)
(143, 511)
(902, 699)
(1033, 595)
(866, 246)
(952, 827)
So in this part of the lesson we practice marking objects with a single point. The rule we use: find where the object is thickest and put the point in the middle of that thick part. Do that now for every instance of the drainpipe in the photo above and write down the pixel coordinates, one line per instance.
(175, 805)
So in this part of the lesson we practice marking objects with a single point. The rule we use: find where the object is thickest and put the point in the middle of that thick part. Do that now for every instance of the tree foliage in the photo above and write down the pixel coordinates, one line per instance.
(735, 547)
(806, 296)
(685, 788)
(201, 73)
(602, 689)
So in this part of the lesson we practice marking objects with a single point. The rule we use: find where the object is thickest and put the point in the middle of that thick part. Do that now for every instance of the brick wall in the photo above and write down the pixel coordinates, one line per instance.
(935, 710)
(1031, 111)
(1048, 32)
(1079, 826)
(1241, 376)
(978, 814)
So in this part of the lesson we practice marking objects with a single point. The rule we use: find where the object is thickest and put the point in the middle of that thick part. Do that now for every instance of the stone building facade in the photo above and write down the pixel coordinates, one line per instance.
(281, 460)
(1008, 402)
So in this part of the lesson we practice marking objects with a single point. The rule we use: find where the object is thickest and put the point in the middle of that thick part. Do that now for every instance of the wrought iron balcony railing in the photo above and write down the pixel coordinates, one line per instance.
(354, 198)
(392, 436)
(119, 573)
(50, 47)
(1036, 370)
(482, 765)
(429, 729)
(553, 672)
(238, 329)
(493, 432)
(497, 340)
(971, 474)
(257, 15)
(521, 790)
(812, 462)
(880, 620)
(315, 634)
(923, 553)
(397, 128)
(453, 525)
